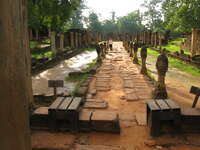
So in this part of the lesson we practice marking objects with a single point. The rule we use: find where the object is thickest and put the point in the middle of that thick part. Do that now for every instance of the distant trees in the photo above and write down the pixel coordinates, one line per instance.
(131, 23)
(51, 14)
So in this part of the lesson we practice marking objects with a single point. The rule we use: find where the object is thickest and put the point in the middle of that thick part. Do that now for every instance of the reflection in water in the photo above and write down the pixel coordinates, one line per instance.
(59, 72)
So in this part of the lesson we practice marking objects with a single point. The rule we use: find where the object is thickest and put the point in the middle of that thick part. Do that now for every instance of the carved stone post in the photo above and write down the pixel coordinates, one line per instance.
(160, 91)
(143, 55)
(131, 49)
(194, 45)
(135, 49)
(98, 50)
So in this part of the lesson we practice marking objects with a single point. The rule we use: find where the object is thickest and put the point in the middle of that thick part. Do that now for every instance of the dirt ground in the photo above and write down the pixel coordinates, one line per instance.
(133, 136)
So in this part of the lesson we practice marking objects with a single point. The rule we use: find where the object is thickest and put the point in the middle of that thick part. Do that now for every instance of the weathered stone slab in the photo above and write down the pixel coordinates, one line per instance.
(102, 84)
(95, 100)
(85, 120)
(128, 84)
(132, 97)
(103, 89)
(105, 122)
(127, 117)
(107, 67)
(82, 91)
(141, 119)
(95, 105)
(97, 147)
(40, 118)
(93, 91)
(103, 75)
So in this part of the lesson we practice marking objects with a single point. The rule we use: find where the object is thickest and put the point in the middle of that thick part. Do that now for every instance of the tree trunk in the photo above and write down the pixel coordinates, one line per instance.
(15, 77)
(37, 34)
(30, 34)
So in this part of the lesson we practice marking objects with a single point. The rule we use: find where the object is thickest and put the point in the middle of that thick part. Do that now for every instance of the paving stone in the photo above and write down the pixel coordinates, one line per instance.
(95, 100)
(127, 124)
(105, 122)
(102, 84)
(128, 84)
(40, 118)
(132, 97)
(141, 119)
(82, 91)
(105, 89)
(95, 105)
(127, 117)
(97, 147)
(93, 91)
(85, 120)
(89, 96)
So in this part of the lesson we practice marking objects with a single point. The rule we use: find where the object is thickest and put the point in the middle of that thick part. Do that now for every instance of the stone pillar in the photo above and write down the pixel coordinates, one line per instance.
(194, 45)
(72, 43)
(53, 42)
(76, 39)
(131, 49)
(15, 76)
(79, 39)
(61, 41)
(143, 55)
(135, 49)
(160, 91)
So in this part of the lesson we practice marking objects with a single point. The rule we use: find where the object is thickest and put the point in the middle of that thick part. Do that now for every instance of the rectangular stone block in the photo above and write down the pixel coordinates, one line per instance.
(105, 122)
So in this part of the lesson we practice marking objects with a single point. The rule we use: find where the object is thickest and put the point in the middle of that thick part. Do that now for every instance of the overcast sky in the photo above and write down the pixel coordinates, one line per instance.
(105, 7)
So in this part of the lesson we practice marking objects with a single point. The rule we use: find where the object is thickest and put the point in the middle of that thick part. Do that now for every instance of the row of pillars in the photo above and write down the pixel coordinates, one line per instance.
(160, 91)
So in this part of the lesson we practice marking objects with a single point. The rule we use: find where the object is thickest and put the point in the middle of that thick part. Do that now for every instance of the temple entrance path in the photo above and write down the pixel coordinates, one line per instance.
(119, 82)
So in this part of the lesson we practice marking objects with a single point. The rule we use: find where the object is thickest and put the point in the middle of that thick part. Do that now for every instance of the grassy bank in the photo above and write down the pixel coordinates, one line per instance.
(178, 64)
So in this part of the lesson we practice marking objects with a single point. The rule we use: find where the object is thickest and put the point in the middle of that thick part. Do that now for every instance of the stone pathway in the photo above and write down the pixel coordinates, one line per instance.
(117, 72)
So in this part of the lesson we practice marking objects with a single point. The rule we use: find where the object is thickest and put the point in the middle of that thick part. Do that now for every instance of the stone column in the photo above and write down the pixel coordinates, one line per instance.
(143, 55)
(160, 91)
(53, 42)
(72, 43)
(135, 49)
(79, 39)
(15, 76)
(76, 39)
(61, 41)
(194, 45)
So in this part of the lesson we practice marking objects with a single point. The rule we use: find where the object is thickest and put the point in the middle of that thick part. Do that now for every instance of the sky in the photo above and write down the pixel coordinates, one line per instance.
(105, 7)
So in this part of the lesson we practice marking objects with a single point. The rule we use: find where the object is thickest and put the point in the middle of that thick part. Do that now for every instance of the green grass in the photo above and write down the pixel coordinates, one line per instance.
(178, 64)
(77, 78)
(33, 44)
(89, 49)
(174, 45)
(48, 54)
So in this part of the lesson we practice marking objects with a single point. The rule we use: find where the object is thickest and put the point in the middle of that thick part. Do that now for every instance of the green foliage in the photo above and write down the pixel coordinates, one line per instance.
(50, 13)
(131, 23)
(153, 16)
(93, 23)
(181, 15)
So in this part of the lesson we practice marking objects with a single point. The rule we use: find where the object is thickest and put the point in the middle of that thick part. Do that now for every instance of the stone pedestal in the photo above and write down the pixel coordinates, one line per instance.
(144, 57)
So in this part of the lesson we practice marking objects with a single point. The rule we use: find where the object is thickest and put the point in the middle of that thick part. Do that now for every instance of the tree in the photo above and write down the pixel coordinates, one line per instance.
(181, 15)
(78, 18)
(131, 23)
(153, 15)
(15, 76)
(93, 23)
